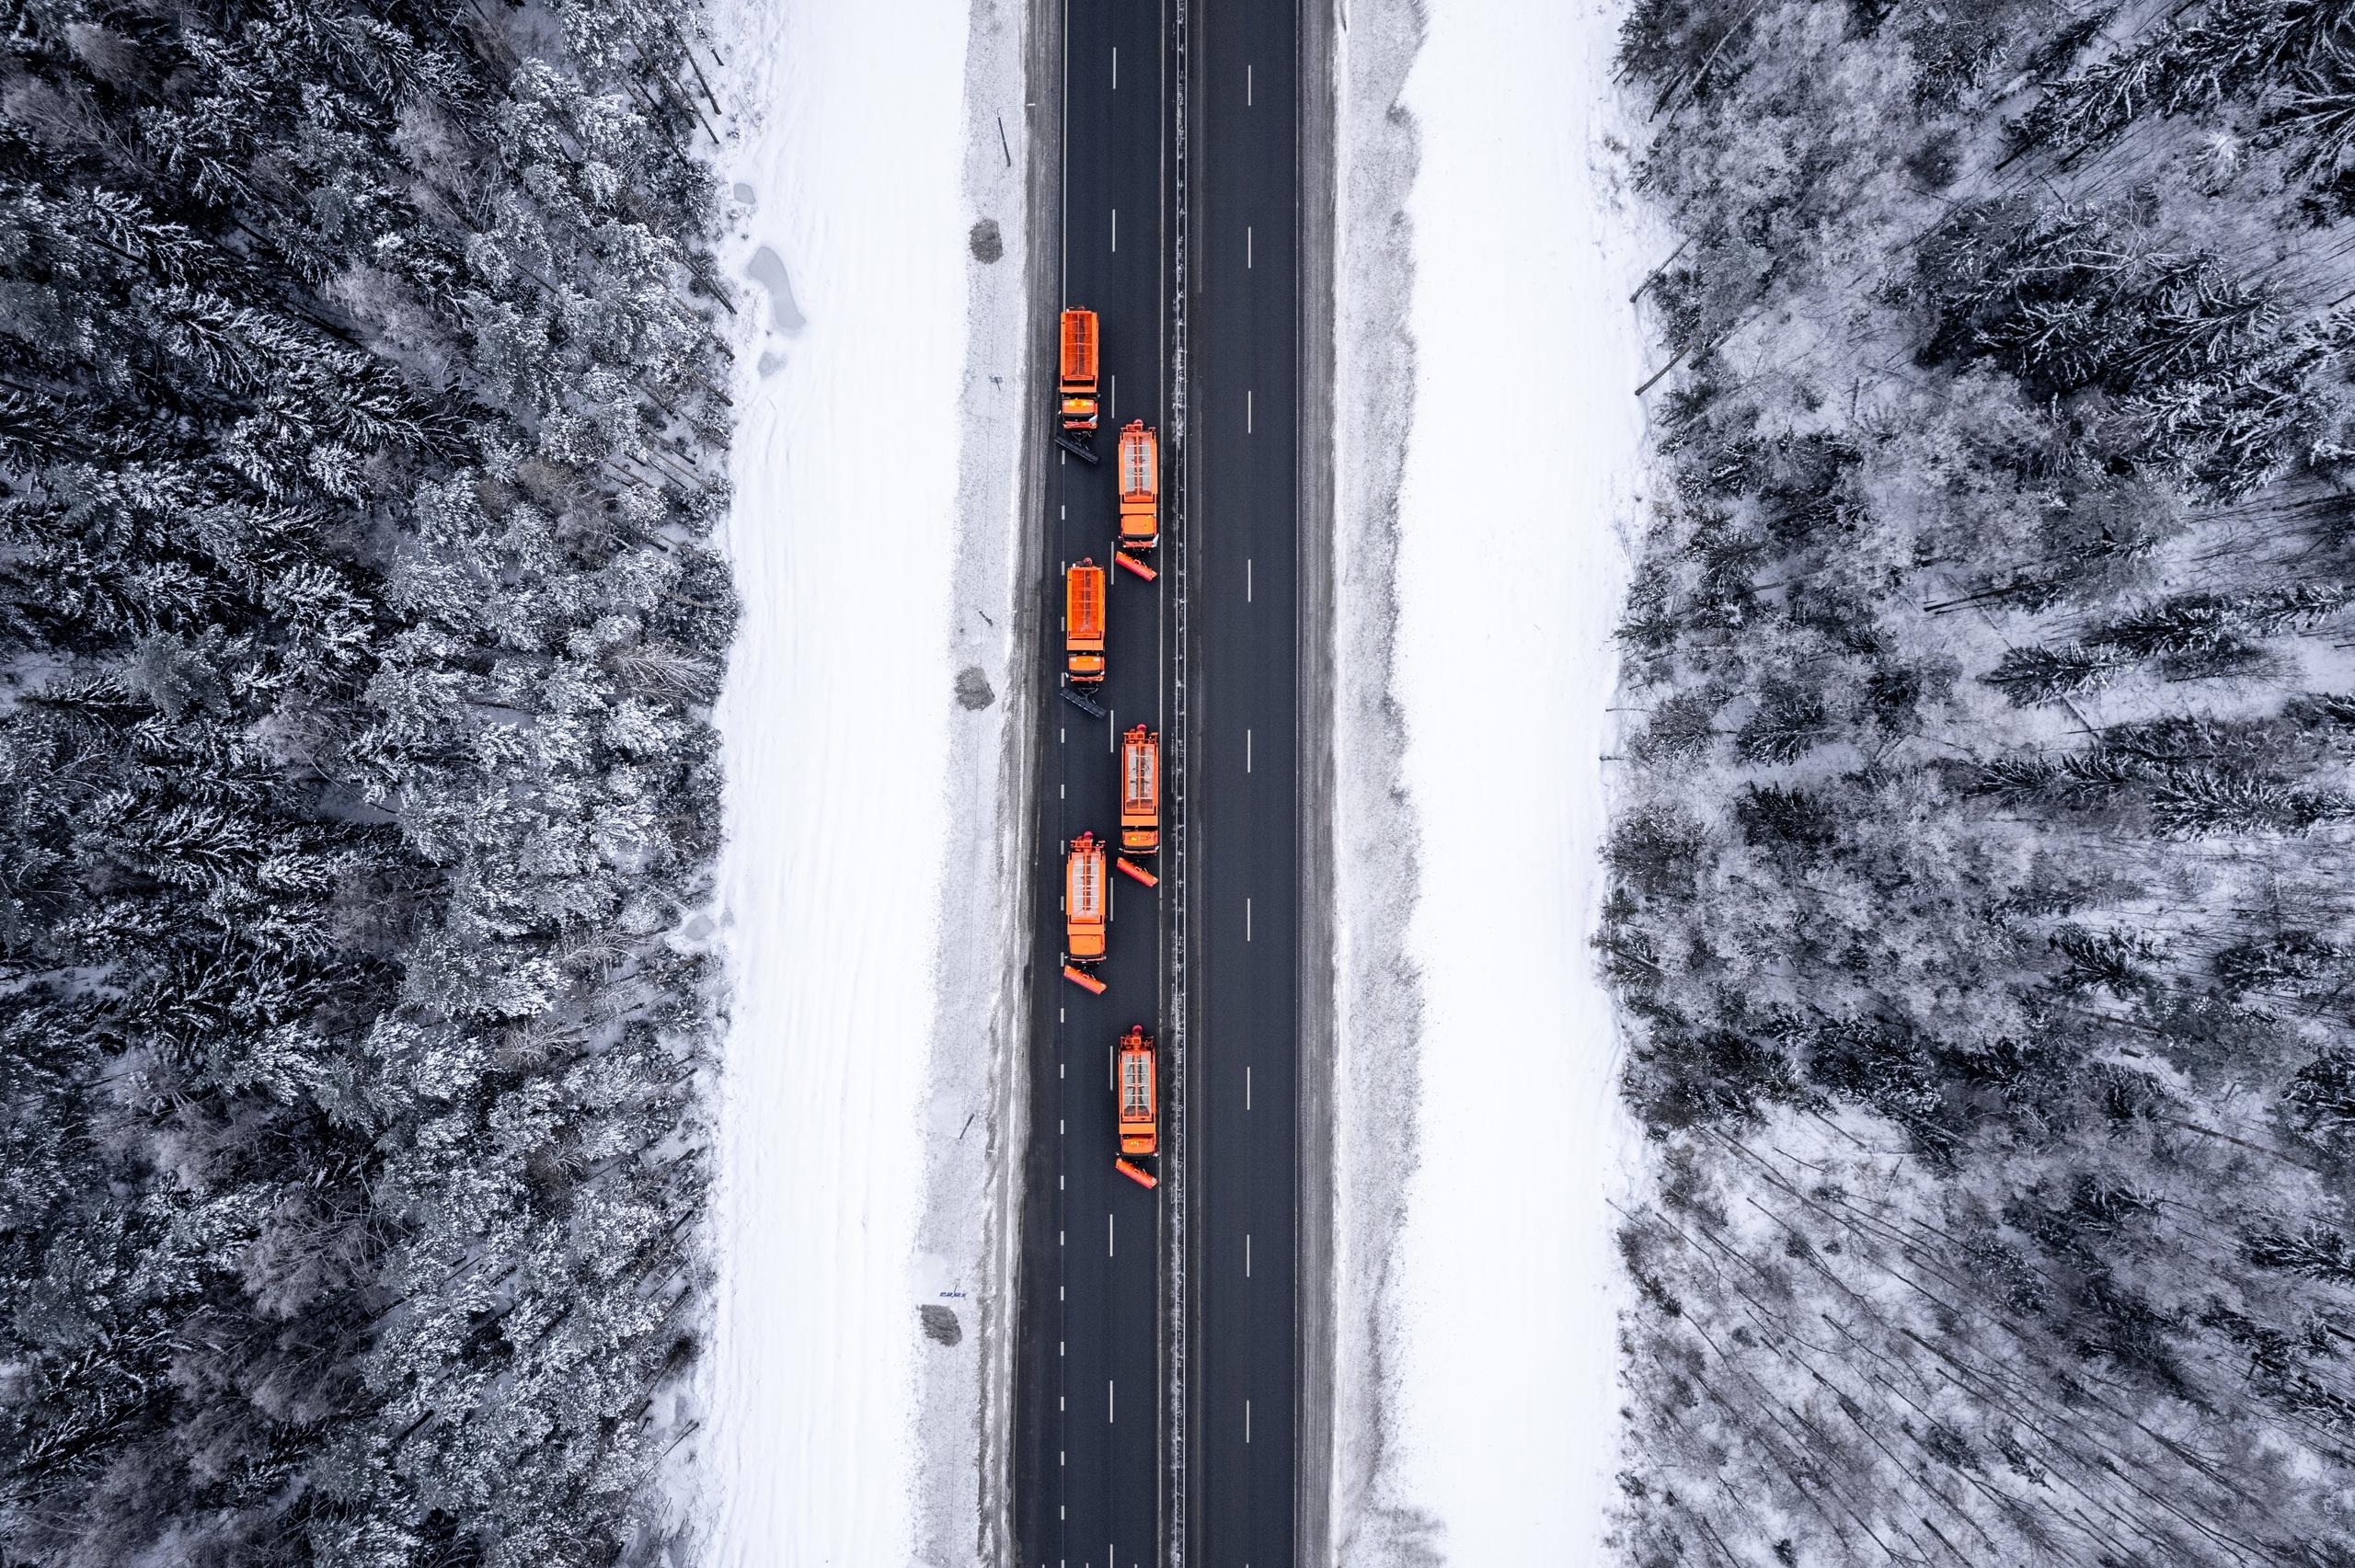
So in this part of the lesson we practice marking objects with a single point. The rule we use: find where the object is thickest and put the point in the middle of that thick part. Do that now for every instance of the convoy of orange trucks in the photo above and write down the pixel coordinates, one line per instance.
(1086, 604)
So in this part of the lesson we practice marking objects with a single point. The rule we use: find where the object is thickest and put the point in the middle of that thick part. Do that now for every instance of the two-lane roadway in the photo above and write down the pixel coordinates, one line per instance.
(1092, 1355)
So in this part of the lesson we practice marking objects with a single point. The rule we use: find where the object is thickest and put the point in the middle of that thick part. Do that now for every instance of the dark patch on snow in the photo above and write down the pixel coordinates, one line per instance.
(767, 270)
(973, 691)
(988, 244)
(940, 1324)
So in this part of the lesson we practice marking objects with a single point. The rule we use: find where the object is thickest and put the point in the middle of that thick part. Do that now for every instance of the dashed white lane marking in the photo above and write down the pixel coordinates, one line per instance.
(1108, 1235)
(1246, 748)
(1247, 919)
(1246, 247)
(1246, 1254)
(1116, 228)
(1107, 1402)
(1116, 68)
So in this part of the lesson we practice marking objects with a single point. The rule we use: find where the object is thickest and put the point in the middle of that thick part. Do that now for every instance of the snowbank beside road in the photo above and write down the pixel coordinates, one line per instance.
(864, 741)
(1481, 1133)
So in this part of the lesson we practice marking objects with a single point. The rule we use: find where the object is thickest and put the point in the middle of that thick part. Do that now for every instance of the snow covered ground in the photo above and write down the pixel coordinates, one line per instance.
(1476, 1408)
(865, 902)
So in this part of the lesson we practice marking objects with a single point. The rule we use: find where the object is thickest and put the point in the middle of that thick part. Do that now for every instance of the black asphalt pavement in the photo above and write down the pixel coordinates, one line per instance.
(1089, 1370)
(1091, 1358)
(1244, 209)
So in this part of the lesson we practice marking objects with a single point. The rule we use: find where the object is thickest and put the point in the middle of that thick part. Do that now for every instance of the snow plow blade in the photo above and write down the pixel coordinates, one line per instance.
(1139, 872)
(1085, 704)
(1082, 979)
(1135, 564)
(1142, 1178)
(1077, 451)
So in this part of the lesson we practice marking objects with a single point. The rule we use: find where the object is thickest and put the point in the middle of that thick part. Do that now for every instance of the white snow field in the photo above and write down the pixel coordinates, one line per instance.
(1476, 1418)
(860, 888)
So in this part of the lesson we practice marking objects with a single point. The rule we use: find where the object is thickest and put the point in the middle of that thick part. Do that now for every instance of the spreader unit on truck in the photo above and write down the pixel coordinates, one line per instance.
(1140, 488)
(1140, 1104)
(1140, 791)
(1083, 610)
(1076, 389)
(1086, 906)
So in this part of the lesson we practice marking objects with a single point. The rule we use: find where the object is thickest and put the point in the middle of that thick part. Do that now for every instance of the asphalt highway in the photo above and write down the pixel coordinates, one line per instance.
(1089, 1356)
(1092, 1357)
(1244, 210)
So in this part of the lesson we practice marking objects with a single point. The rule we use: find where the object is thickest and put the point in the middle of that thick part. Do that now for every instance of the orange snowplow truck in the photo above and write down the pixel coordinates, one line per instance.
(1083, 606)
(1085, 910)
(1077, 386)
(1141, 791)
(1140, 487)
(1140, 1103)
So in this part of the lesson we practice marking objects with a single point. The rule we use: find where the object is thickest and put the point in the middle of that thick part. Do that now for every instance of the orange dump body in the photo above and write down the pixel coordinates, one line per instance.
(1141, 791)
(1076, 388)
(1083, 609)
(1140, 487)
(1086, 909)
(1139, 1102)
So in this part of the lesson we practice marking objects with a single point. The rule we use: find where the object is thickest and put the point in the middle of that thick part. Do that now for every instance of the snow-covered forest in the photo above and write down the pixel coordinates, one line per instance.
(361, 417)
(1979, 868)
